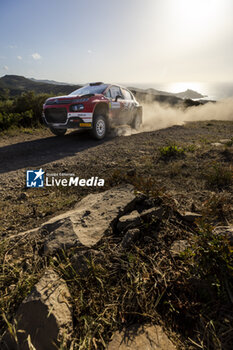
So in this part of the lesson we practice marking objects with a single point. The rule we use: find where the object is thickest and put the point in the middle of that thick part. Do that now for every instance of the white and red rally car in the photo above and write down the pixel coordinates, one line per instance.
(96, 106)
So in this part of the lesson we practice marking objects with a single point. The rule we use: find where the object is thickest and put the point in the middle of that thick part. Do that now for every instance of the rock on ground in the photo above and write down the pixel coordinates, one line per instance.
(87, 223)
(45, 315)
(130, 238)
(129, 221)
(191, 217)
(141, 338)
(134, 218)
(225, 230)
(90, 219)
(179, 247)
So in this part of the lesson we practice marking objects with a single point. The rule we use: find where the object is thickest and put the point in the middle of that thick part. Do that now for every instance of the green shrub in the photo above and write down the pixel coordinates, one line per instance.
(171, 151)
(22, 111)
(24, 119)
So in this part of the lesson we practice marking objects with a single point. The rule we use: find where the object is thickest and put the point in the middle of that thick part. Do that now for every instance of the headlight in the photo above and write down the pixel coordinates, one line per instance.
(75, 108)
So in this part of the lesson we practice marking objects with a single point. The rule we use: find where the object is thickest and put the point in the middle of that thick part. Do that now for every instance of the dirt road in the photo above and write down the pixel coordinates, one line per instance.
(78, 153)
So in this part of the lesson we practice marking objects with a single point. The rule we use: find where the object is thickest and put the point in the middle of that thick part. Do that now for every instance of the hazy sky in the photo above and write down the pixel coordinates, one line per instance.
(121, 41)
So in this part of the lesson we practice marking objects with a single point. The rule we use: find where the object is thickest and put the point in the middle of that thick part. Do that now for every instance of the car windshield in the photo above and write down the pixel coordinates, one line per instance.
(90, 89)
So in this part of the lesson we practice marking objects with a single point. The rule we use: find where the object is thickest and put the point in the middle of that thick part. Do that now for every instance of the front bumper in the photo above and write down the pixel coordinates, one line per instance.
(72, 120)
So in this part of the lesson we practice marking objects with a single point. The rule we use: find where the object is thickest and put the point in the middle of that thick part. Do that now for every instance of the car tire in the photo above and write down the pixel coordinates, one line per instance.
(136, 124)
(99, 127)
(58, 132)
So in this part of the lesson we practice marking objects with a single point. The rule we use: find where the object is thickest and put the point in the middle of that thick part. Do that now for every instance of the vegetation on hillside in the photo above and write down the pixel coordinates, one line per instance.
(21, 100)
(22, 111)
(14, 85)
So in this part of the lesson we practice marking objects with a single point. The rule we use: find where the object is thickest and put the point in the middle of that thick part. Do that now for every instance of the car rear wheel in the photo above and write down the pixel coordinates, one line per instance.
(58, 132)
(136, 122)
(99, 127)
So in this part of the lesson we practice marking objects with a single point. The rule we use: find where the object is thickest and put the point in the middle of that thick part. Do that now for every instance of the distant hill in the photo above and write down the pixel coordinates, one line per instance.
(17, 84)
(46, 81)
(160, 96)
(188, 94)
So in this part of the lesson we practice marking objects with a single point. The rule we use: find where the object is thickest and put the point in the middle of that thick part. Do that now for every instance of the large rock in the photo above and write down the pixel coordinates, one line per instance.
(141, 338)
(45, 316)
(87, 223)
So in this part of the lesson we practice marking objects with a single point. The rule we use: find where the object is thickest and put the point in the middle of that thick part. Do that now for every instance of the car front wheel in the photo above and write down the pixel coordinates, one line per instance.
(58, 132)
(99, 127)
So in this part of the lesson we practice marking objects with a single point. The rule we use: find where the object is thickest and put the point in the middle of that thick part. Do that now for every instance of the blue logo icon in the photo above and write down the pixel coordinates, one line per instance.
(35, 178)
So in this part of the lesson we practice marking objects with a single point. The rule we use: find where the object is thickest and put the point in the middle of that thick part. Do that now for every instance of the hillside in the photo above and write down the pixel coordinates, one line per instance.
(16, 84)
(49, 81)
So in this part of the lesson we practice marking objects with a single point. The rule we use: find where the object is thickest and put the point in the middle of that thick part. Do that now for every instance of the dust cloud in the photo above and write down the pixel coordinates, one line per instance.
(157, 116)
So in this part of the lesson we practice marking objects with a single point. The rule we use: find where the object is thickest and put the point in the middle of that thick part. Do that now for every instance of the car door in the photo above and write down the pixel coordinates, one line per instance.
(116, 104)
(128, 107)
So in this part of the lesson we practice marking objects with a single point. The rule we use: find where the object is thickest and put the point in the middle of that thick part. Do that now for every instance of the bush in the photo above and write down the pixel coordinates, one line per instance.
(171, 151)
(23, 111)
(10, 120)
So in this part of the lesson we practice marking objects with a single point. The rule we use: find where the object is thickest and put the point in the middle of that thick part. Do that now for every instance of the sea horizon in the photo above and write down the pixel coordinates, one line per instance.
(211, 91)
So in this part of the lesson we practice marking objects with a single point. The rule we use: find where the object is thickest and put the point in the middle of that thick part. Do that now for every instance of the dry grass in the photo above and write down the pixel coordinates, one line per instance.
(191, 295)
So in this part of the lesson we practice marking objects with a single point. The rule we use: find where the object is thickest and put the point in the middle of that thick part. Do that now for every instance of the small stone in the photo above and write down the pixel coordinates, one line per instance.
(7, 198)
(148, 239)
(130, 237)
(23, 196)
(224, 141)
(152, 213)
(178, 247)
(190, 216)
(129, 221)
(216, 144)
(225, 230)
(131, 172)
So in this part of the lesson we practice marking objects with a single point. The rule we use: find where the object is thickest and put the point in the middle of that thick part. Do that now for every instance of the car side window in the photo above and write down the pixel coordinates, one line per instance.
(115, 91)
(127, 94)
(108, 94)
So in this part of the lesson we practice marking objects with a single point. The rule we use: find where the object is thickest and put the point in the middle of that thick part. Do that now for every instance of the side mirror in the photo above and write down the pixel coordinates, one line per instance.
(117, 97)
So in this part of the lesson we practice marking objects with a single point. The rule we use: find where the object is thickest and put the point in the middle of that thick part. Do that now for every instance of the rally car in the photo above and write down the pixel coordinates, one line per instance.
(96, 106)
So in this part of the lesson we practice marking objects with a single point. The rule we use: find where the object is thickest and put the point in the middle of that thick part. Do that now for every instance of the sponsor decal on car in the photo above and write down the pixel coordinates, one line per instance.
(85, 125)
(80, 115)
(114, 105)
